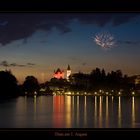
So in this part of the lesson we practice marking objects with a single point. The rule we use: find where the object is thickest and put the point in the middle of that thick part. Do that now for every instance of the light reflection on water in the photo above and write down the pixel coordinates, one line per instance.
(119, 112)
(107, 118)
(77, 111)
(133, 112)
(85, 111)
(95, 111)
(70, 112)
(34, 107)
(58, 111)
(100, 112)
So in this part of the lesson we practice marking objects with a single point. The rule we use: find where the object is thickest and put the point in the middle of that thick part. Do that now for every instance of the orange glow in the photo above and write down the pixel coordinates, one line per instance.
(107, 115)
(68, 111)
(58, 108)
(119, 112)
(59, 74)
(100, 111)
(133, 112)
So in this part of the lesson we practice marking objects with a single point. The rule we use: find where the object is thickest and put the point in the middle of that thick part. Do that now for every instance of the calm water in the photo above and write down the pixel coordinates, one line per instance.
(70, 112)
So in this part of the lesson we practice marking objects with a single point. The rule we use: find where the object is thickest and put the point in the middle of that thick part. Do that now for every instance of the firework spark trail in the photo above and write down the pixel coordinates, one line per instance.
(105, 40)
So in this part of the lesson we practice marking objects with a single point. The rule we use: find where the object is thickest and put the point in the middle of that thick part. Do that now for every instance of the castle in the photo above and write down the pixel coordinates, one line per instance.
(60, 73)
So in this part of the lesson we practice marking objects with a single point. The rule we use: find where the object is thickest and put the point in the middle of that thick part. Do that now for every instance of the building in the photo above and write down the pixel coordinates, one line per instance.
(68, 72)
(60, 73)
(137, 79)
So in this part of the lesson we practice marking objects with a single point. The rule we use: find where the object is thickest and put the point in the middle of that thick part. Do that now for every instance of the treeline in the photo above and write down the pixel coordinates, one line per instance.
(10, 88)
(8, 85)
(98, 79)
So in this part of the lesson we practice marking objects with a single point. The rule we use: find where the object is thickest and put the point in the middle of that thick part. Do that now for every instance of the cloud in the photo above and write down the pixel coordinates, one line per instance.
(30, 64)
(128, 42)
(15, 26)
(101, 19)
(3, 23)
(16, 65)
(7, 64)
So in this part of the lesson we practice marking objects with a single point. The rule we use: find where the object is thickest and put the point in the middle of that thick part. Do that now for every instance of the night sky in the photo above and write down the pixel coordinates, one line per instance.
(39, 43)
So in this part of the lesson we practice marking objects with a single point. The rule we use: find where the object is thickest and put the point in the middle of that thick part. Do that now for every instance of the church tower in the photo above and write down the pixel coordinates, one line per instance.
(68, 72)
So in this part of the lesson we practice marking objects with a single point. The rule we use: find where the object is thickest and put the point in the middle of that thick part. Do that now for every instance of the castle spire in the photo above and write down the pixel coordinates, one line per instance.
(68, 67)
(68, 72)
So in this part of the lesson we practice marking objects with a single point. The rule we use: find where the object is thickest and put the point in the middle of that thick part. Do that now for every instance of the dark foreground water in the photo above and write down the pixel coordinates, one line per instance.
(70, 112)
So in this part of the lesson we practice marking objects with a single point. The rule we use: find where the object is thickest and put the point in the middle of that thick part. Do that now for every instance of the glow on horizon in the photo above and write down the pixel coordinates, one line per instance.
(21, 74)
(66, 39)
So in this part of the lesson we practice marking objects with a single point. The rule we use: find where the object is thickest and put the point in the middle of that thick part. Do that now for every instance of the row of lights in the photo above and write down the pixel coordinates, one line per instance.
(119, 93)
(95, 93)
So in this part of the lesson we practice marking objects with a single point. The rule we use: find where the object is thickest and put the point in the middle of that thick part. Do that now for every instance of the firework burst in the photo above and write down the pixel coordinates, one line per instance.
(105, 40)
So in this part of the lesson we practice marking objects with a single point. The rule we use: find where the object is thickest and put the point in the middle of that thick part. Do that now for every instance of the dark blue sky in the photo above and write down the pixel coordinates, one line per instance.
(37, 43)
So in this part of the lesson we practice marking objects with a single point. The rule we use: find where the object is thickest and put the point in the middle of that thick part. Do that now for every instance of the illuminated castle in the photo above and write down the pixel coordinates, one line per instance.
(60, 73)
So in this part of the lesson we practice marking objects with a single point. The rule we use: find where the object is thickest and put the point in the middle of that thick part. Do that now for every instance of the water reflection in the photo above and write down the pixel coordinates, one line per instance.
(107, 112)
(40, 100)
(133, 111)
(112, 99)
(85, 111)
(73, 108)
(25, 104)
(95, 111)
(100, 112)
(58, 111)
(77, 114)
(119, 111)
(34, 107)
(68, 111)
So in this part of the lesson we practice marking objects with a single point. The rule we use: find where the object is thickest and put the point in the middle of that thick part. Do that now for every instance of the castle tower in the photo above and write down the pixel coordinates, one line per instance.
(68, 72)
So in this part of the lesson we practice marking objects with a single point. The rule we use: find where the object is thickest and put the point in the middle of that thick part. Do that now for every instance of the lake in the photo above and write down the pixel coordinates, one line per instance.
(70, 112)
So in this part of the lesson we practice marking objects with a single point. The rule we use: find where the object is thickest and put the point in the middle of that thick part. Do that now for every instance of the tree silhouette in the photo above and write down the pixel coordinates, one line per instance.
(8, 85)
(31, 85)
(98, 79)
(80, 81)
